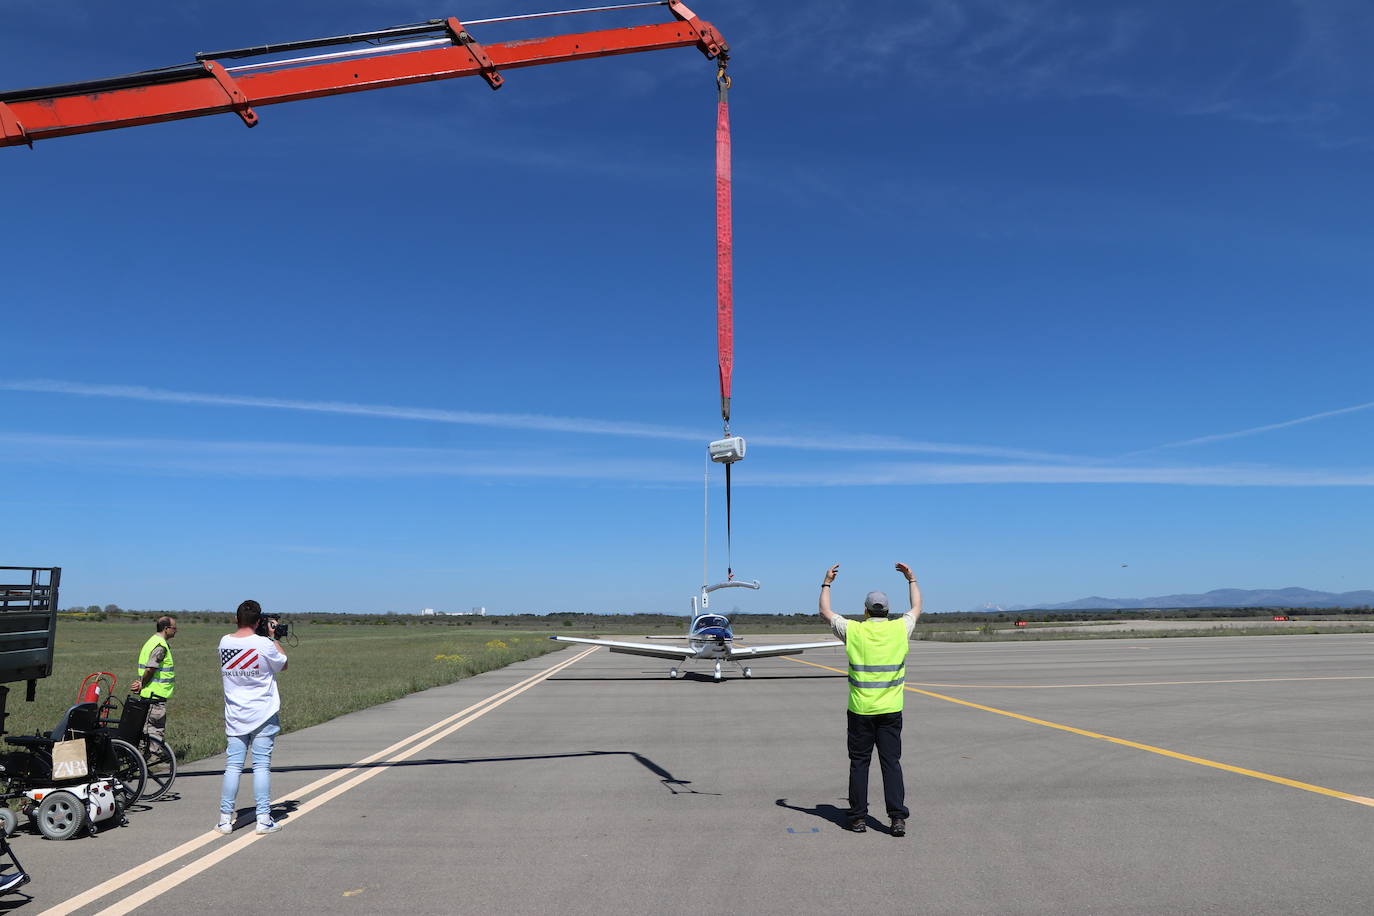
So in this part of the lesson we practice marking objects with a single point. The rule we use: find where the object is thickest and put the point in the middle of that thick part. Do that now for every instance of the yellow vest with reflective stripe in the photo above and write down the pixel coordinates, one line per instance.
(877, 650)
(161, 684)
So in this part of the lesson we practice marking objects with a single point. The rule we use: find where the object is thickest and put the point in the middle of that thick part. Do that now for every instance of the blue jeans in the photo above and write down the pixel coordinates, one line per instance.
(261, 740)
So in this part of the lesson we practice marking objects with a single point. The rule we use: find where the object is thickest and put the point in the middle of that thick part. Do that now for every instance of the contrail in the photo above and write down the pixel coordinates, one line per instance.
(540, 422)
(311, 461)
(1260, 429)
(940, 474)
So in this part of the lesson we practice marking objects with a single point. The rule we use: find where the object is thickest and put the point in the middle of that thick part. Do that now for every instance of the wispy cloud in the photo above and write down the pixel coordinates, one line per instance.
(1254, 430)
(517, 421)
(298, 460)
(1198, 476)
(1299, 64)
(304, 460)
(849, 442)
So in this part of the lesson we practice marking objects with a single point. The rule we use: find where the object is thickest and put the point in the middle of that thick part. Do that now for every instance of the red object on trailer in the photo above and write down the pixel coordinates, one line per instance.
(95, 686)
(440, 49)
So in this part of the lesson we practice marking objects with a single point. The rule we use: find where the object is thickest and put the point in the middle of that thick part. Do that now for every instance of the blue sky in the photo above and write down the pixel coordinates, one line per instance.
(1026, 290)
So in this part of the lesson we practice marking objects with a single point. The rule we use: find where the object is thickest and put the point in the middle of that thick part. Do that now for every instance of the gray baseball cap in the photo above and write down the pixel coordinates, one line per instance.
(877, 601)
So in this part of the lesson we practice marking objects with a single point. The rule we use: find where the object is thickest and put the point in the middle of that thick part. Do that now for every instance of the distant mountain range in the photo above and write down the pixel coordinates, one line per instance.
(1221, 597)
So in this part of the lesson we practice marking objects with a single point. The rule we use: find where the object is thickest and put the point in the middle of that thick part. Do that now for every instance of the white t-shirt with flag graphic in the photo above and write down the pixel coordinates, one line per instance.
(248, 666)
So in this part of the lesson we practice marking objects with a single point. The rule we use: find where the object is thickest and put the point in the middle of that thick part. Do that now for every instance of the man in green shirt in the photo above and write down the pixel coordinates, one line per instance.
(157, 675)
(876, 647)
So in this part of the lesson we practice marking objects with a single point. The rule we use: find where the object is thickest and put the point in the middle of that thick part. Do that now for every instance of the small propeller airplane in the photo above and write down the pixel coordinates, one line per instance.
(709, 637)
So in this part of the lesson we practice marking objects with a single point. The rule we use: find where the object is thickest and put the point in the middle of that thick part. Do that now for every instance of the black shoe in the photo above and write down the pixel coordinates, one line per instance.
(858, 825)
(899, 826)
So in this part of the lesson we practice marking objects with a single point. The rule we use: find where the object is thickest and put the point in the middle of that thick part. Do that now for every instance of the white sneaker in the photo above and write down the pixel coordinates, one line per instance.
(225, 827)
(269, 827)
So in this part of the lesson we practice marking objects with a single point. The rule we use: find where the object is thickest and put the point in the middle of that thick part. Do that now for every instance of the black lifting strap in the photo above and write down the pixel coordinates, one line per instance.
(729, 556)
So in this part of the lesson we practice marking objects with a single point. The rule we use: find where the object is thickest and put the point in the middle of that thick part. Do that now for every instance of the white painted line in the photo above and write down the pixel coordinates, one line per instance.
(472, 712)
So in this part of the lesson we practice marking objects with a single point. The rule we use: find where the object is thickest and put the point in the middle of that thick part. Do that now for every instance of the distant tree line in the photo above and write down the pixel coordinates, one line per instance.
(1172, 613)
(645, 619)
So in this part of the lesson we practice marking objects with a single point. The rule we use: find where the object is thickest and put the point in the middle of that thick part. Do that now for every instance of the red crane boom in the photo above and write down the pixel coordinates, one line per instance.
(208, 87)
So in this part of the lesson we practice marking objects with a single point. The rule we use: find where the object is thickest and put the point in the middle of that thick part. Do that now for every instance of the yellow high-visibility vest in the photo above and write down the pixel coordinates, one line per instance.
(161, 684)
(877, 650)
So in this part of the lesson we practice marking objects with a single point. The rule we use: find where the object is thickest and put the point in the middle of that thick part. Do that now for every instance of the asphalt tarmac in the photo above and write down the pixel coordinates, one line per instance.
(1181, 775)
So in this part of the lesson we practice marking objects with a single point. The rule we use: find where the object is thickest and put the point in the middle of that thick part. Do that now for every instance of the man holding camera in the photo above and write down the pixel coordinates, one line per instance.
(249, 661)
(877, 648)
(157, 676)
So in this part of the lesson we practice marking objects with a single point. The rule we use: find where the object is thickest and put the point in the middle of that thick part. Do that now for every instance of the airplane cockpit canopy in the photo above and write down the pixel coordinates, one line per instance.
(710, 621)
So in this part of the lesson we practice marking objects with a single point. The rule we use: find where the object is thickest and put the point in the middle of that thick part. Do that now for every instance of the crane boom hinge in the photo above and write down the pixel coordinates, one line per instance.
(237, 99)
(708, 39)
(479, 53)
(11, 129)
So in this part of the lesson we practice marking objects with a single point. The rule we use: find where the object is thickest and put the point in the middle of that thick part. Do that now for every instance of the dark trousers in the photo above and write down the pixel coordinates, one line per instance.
(885, 731)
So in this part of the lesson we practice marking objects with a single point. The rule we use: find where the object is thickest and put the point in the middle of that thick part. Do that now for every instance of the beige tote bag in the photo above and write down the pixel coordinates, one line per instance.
(69, 760)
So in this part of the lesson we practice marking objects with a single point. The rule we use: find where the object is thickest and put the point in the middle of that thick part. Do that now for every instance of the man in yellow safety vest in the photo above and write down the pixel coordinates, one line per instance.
(877, 647)
(157, 675)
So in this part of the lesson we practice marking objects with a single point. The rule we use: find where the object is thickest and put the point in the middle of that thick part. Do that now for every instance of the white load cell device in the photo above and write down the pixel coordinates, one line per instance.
(727, 451)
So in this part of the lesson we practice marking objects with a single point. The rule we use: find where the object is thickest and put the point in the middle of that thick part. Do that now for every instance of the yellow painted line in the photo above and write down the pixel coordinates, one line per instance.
(1246, 680)
(1163, 752)
(472, 712)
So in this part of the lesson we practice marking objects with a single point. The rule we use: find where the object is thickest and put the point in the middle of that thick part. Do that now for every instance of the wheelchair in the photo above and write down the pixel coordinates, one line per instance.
(159, 761)
(128, 727)
(62, 806)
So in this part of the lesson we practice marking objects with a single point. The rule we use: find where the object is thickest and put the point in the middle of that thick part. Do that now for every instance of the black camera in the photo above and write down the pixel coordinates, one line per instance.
(282, 628)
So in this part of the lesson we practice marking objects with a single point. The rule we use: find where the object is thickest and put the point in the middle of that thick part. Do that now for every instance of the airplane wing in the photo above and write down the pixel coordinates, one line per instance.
(635, 648)
(739, 653)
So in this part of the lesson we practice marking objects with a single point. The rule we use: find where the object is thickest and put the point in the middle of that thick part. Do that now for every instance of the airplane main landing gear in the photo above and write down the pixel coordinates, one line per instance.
(673, 673)
(748, 672)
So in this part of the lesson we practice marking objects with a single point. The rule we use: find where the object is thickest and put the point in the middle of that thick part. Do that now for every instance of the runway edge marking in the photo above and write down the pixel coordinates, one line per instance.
(1163, 752)
(477, 709)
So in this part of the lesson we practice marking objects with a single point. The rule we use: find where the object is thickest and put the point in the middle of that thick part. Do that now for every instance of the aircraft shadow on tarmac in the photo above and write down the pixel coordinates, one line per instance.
(670, 782)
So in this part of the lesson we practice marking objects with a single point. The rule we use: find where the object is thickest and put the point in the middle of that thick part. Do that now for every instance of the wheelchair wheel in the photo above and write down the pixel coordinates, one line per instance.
(130, 770)
(9, 821)
(60, 815)
(162, 767)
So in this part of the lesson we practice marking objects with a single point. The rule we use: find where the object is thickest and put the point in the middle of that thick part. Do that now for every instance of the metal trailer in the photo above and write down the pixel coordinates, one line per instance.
(28, 636)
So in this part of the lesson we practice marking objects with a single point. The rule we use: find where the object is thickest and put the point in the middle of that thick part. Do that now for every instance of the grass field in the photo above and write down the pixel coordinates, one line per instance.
(336, 668)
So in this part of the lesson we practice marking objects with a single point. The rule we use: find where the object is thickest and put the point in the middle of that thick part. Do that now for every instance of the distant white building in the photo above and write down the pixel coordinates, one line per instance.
(427, 612)
(475, 612)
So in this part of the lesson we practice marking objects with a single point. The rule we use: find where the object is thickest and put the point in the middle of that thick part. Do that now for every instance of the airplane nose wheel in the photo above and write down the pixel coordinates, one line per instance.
(717, 671)
(748, 672)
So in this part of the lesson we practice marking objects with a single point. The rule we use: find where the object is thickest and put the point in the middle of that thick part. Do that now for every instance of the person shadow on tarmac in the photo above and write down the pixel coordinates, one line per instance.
(832, 813)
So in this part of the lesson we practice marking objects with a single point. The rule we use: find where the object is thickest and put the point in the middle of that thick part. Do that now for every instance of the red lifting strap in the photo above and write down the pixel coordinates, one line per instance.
(725, 306)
